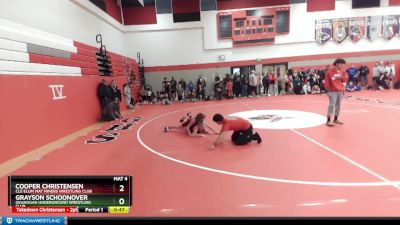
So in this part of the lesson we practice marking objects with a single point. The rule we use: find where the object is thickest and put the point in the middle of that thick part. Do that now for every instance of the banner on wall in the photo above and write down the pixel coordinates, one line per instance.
(357, 28)
(340, 29)
(374, 27)
(390, 26)
(323, 31)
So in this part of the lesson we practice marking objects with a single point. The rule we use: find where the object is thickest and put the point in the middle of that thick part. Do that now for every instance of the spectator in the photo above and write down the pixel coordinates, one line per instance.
(104, 94)
(166, 86)
(315, 89)
(180, 92)
(236, 85)
(273, 84)
(353, 74)
(283, 79)
(191, 91)
(129, 100)
(115, 92)
(112, 111)
(381, 68)
(218, 92)
(359, 87)
(307, 88)
(290, 84)
(297, 84)
(253, 83)
(364, 72)
(244, 82)
(143, 95)
(259, 83)
(351, 87)
(265, 83)
(229, 89)
(183, 85)
(376, 71)
(173, 89)
(392, 73)
(201, 87)
(164, 99)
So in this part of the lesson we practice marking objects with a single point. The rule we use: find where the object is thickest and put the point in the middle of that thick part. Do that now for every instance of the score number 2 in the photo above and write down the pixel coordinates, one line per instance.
(121, 200)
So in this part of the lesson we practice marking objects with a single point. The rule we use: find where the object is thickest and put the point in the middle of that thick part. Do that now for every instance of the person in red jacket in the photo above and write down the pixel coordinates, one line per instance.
(335, 84)
(242, 130)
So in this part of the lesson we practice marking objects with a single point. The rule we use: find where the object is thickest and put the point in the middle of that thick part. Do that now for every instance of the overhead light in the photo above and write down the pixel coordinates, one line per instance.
(141, 2)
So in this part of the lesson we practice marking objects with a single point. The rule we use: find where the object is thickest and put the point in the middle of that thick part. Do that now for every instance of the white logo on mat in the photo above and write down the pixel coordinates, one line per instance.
(9, 220)
(57, 92)
(281, 119)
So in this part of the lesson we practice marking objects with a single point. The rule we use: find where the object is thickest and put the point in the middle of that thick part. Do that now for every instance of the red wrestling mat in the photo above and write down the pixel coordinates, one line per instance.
(302, 167)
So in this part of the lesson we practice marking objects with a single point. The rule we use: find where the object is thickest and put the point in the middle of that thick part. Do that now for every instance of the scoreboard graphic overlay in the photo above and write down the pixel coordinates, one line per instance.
(253, 27)
(70, 194)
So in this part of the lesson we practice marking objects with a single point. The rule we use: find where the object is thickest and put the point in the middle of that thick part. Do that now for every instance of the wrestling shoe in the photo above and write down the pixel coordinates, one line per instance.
(257, 138)
(338, 122)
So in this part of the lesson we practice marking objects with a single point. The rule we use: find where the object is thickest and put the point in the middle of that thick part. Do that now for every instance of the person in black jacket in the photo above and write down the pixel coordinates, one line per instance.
(236, 85)
(115, 92)
(112, 111)
(201, 87)
(104, 94)
(173, 89)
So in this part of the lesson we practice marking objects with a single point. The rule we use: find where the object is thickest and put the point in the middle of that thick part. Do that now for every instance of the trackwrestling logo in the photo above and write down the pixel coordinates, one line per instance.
(281, 119)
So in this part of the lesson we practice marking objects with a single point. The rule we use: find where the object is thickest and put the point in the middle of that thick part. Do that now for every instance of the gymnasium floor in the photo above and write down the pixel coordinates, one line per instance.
(302, 167)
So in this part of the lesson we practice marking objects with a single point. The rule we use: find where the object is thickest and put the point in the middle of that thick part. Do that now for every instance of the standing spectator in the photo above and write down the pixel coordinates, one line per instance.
(381, 68)
(265, 83)
(302, 74)
(273, 84)
(290, 84)
(353, 74)
(335, 82)
(129, 100)
(179, 91)
(183, 85)
(224, 82)
(364, 72)
(229, 89)
(191, 91)
(376, 75)
(244, 82)
(259, 83)
(392, 74)
(283, 78)
(236, 85)
(253, 83)
(218, 87)
(166, 86)
(115, 92)
(173, 88)
(297, 84)
(104, 94)
(201, 87)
